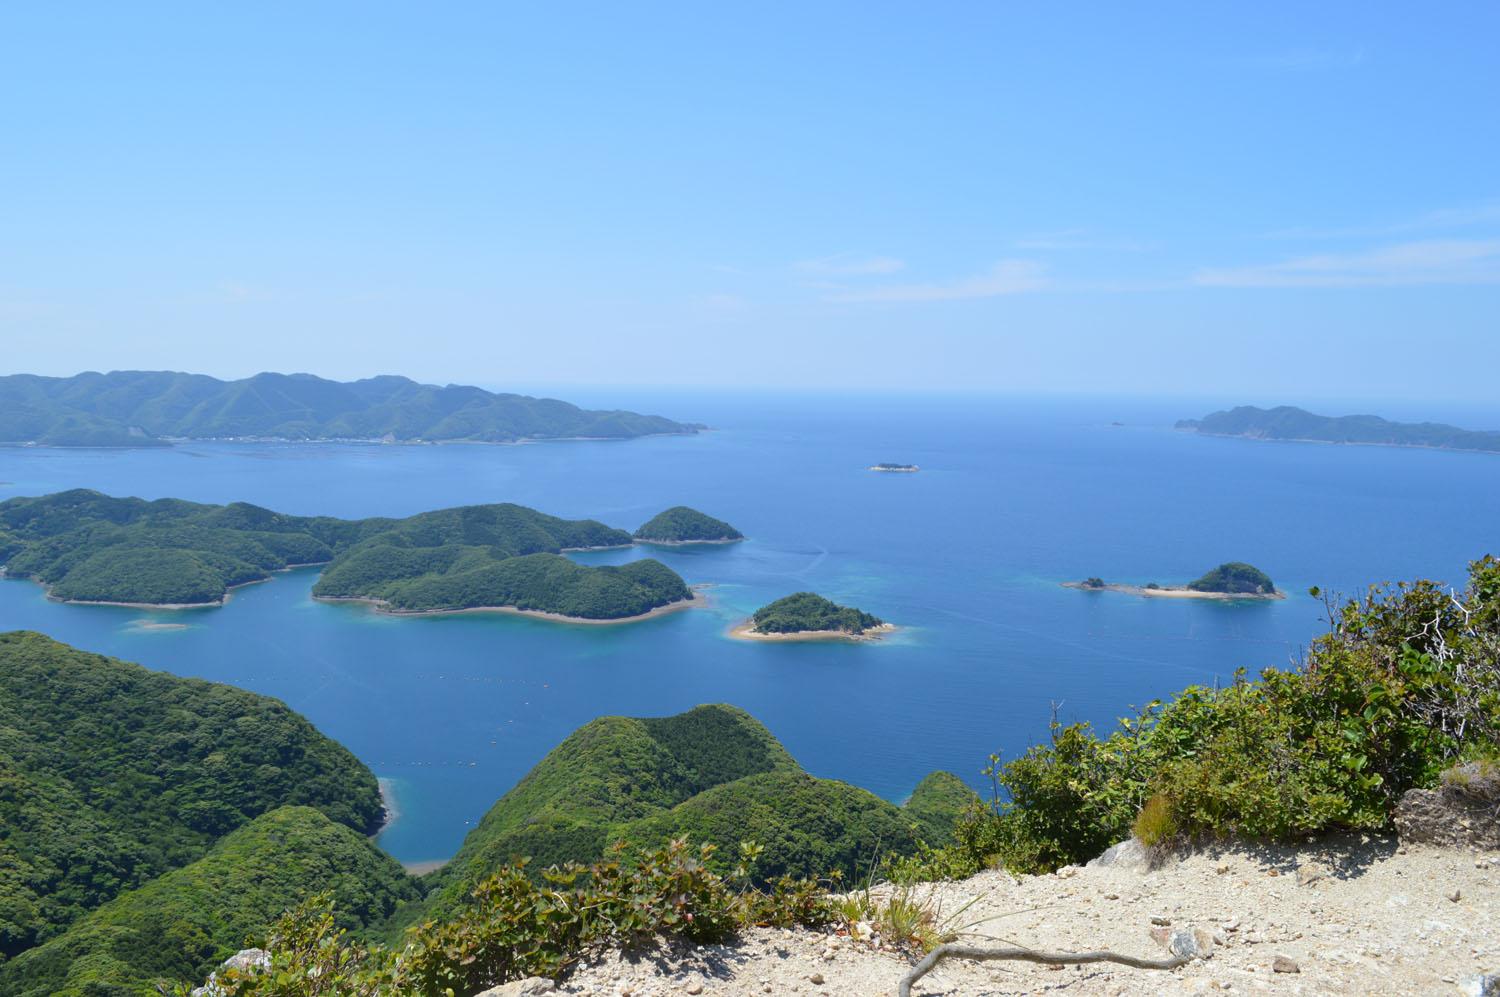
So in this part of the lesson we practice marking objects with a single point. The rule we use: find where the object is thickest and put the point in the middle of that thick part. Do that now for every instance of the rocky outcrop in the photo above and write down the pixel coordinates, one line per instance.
(1463, 812)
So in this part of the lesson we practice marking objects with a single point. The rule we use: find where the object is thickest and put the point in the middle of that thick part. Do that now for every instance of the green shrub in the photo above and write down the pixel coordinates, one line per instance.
(1155, 824)
(1406, 683)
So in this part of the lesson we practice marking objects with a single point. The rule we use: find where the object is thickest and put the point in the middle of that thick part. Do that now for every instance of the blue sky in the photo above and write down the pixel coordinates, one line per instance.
(1270, 201)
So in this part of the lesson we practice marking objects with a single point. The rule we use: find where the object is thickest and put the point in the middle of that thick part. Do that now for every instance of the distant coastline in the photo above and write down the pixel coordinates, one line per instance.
(747, 631)
(1288, 424)
(1174, 592)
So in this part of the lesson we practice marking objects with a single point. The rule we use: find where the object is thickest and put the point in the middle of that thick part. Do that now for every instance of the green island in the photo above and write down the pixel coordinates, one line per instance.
(809, 616)
(135, 408)
(111, 774)
(1287, 422)
(1230, 580)
(895, 468)
(88, 547)
(681, 525)
(694, 828)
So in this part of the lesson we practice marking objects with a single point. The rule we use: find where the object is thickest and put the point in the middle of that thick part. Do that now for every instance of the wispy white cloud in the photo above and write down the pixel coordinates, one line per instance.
(1483, 213)
(1005, 277)
(1450, 261)
(849, 265)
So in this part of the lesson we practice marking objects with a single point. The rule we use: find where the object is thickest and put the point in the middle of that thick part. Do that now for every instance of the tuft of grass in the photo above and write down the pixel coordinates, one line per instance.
(1156, 824)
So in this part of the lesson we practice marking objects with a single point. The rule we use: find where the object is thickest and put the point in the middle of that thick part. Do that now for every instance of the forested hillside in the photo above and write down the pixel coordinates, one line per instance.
(111, 774)
(150, 408)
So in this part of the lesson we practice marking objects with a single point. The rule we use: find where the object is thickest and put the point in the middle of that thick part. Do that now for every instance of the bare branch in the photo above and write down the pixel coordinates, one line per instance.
(977, 954)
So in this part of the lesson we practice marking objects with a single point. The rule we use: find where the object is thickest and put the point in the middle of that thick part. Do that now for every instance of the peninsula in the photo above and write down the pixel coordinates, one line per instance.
(133, 408)
(809, 616)
(681, 525)
(1231, 580)
(169, 554)
(1287, 423)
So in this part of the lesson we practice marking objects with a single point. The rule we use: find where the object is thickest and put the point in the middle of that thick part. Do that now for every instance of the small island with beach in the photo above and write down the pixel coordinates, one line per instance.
(682, 525)
(890, 468)
(809, 616)
(1231, 580)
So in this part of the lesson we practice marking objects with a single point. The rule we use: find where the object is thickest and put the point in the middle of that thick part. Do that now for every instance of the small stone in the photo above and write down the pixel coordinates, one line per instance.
(1161, 919)
(765, 988)
(1283, 964)
(1185, 943)
(828, 955)
(1455, 896)
(816, 979)
(695, 987)
(1273, 872)
(1310, 872)
(1222, 868)
(1483, 985)
(1067, 872)
(1111, 896)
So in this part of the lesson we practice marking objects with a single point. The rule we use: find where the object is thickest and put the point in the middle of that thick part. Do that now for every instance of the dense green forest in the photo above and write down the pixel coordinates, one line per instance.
(810, 612)
(111, 774)
(150, 408)
(713, 774)
(1234, 578)
(181, 925)
(680, 524)
(90, 547)
(1289, 423)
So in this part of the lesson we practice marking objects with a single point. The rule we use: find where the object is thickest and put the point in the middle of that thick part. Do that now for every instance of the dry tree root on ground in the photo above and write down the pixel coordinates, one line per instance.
(955, 951)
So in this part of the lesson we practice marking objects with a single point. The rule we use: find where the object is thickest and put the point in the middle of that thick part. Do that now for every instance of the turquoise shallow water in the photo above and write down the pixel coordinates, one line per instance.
(966, 556)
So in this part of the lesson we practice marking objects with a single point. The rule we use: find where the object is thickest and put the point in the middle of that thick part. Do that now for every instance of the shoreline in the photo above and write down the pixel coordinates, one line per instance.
(687, 543)
(1336, 443)
(747, 631)
(167, 442)
(1177, 592)
(219, 603)
(696, 600)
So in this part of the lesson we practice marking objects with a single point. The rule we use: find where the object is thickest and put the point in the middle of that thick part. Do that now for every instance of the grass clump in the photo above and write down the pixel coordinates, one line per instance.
(1155, 824)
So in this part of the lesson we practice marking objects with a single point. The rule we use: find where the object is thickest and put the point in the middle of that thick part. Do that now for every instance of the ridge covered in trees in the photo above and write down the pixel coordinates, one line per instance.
(133, 408)
(1287, 422)
(111, 774)
(89, 547)
(181, 925)
(714, 775)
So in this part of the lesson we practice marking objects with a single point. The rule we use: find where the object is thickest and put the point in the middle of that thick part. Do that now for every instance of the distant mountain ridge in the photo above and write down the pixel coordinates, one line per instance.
(1287, 422)
(153, 408)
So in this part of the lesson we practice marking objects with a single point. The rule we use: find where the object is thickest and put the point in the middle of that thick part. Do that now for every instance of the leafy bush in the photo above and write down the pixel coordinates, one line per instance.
(513, 926)
(1406, 682)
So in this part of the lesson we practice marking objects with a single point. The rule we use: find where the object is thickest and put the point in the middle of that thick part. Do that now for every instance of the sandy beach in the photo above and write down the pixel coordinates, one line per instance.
(1175, 592)
(747, 631)
(697, 600)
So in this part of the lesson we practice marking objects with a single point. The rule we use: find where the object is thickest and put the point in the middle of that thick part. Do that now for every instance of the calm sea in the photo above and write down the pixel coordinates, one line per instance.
(966, 556)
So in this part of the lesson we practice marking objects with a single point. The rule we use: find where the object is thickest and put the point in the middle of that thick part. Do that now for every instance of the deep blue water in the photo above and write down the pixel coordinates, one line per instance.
(966, 556)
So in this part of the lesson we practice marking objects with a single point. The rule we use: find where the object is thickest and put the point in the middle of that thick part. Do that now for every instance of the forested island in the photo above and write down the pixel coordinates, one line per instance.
(155, 408)
(681, 525)
(809, 616)
(1230, 580)
(895, 468)
(88, 547)
(1294, 424)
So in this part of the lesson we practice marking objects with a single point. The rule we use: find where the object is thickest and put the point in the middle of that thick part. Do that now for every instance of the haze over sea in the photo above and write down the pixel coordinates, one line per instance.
(1014, 497)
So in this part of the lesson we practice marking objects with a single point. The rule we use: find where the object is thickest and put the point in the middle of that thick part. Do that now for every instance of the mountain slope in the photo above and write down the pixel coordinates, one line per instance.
(713, 774)
(179, 926)
(111, 774)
